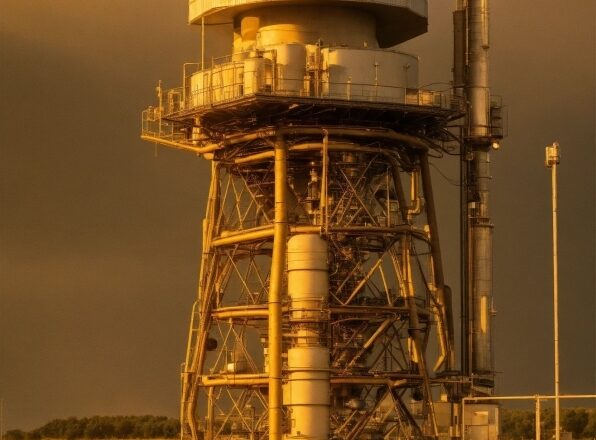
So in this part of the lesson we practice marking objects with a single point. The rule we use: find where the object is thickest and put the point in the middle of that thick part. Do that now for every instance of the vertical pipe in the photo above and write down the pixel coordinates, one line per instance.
(538, 433)
(478, 257)
(464, 264)
(210, 414)
(556, 305)
(460, 42)
(275, 289)
(324, 182)
(184, 85)
(203, 43)
(477, 84)
(459, 51)
(463, 419)
(161, 109)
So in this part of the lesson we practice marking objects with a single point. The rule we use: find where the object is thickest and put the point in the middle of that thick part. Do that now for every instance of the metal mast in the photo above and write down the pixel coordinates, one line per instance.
(321, 278)
(552, 161)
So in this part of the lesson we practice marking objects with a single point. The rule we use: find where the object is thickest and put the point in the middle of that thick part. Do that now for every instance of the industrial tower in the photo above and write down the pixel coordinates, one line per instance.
(322, 310)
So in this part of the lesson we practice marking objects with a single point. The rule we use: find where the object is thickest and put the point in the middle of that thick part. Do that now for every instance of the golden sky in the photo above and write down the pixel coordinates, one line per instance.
(100, 236)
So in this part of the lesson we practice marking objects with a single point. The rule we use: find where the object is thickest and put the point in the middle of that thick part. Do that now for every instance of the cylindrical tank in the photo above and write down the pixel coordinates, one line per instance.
(329, 25)
(307, 392)
(366, 74)
(291, 67)
(199, 88)
(257, 75)
(308, 277)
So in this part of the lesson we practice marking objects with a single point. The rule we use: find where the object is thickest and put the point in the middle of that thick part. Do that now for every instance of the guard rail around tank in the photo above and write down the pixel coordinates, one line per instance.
(221, 90)
(347, 91)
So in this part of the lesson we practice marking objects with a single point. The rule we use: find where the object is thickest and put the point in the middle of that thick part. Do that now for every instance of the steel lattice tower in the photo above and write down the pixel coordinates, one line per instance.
(321, 278)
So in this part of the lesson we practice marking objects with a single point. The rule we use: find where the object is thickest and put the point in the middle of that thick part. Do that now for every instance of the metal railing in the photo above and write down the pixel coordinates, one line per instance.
(221, 90)
(228, 80)
(153, 124)
(537, 398)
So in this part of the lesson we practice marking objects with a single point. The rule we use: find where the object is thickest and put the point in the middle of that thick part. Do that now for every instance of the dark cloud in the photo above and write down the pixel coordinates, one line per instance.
(100, 237)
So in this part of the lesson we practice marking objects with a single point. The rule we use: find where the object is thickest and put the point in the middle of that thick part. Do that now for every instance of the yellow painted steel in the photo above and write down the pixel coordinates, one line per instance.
(332, 354)
(263, 380)
(229, 238)
(181, 146)
(443, 295)
(240, 313)
(210, 147)
(235, 379)
(415, 331)
(280, 236)
(278, 232)
(268, 133)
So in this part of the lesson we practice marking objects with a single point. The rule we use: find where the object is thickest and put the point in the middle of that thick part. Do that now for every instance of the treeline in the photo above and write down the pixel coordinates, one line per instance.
(101, 427)
(521, 424)
(515, 425)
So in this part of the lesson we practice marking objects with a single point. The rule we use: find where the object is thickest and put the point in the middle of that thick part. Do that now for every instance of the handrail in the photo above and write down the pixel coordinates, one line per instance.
(346, 91)
(228, 81)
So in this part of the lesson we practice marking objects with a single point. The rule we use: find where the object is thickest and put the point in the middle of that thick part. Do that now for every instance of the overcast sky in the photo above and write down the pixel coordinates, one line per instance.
(100, 232)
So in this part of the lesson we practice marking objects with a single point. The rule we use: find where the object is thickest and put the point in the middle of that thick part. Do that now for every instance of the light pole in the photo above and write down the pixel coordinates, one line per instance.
(552, 160)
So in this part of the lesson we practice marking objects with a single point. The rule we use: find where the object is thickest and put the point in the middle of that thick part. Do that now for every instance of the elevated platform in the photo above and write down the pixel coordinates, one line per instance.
(302, 84)
(416, 113)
